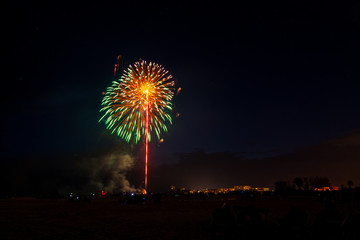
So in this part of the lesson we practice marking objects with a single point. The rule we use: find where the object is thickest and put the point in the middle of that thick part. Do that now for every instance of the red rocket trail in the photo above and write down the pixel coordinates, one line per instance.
(146, 139)
(115, 67)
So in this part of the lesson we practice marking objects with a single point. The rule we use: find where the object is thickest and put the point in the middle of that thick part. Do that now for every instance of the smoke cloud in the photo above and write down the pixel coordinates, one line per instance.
(51, 175)
(108, 172)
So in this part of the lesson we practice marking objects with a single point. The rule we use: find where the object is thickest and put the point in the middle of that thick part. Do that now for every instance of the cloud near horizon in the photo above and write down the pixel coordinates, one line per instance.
(337, 159)
(113, 169)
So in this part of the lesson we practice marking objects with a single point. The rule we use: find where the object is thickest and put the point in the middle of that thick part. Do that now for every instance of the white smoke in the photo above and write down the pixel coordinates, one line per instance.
(108, 172)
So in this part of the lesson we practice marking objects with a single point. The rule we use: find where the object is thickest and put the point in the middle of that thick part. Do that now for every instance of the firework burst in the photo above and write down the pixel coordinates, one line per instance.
(143, 88)
(139, 103)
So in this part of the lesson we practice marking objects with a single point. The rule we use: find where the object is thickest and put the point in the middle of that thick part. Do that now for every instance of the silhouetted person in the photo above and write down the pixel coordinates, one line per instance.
(294, 224)
(225, 220)
(250, 220)
(250, 217)
(328, 223)
(351, 227)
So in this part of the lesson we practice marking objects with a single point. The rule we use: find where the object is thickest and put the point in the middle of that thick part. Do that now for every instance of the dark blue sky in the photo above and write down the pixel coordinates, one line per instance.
(260, 78)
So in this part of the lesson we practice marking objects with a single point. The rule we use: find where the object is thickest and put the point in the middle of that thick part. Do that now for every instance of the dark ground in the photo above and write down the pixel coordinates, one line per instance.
(30, 218)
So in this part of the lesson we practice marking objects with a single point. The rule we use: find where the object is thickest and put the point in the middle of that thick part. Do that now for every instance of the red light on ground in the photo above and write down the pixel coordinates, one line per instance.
(103, 193)
(327, 189)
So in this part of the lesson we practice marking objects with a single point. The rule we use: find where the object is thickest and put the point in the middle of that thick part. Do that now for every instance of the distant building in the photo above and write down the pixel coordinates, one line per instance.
(242, 188)
(324, 189)
(263, 189)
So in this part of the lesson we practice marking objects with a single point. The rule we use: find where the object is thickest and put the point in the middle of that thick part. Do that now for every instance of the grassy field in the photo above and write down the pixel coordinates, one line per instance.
(107, 219)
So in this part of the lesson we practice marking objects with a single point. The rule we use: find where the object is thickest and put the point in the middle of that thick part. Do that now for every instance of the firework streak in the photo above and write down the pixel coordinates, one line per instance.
(139, 103)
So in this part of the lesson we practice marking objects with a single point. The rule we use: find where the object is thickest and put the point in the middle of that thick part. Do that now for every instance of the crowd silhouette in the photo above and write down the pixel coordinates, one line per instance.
(232, 221)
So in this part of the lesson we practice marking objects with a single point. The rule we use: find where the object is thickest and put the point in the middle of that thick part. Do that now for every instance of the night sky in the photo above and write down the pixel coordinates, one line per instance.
(263, 84)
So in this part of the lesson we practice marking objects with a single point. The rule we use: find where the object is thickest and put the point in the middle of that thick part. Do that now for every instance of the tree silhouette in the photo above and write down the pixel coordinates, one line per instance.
(298, 181)
(282, 186)
(306, 184)
(319, 182)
